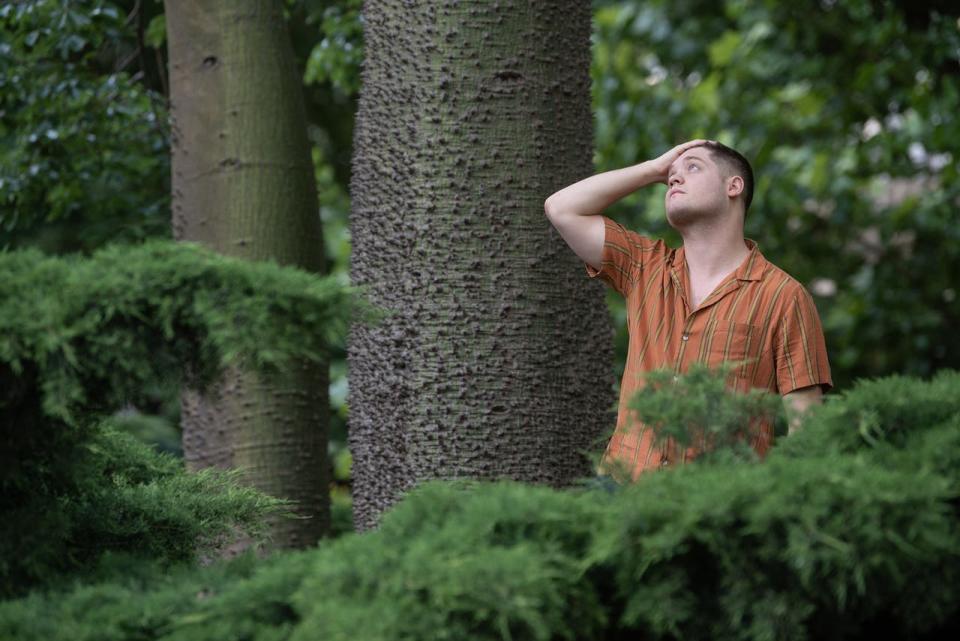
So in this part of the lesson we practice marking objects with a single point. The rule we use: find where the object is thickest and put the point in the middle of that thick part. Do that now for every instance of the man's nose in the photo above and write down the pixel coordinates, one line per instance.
(674, 179)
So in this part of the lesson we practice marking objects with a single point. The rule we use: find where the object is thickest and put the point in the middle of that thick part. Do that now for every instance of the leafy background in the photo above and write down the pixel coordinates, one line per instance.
(847, 110)
(849, 530)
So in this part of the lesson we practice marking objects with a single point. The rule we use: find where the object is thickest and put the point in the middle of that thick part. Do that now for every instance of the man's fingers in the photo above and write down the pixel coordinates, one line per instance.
(693, 143)
(663, 163)
(682, 147)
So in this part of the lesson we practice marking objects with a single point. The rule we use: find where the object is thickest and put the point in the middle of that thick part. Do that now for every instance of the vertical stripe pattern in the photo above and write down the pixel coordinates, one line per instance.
(758, 314)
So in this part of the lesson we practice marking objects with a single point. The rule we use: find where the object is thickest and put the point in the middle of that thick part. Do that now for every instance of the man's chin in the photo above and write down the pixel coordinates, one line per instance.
(682, 217)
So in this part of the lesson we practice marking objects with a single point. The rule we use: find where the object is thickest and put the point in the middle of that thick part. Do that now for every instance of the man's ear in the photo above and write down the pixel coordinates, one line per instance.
(734, 186)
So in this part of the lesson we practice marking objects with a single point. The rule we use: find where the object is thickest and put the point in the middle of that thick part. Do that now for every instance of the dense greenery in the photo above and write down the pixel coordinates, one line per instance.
(847, 110)
(848, 530)
(81, 339)
(83, 143)
(702, 410)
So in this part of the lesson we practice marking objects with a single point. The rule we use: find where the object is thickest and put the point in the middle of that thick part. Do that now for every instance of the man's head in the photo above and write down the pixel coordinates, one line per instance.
(705, 180)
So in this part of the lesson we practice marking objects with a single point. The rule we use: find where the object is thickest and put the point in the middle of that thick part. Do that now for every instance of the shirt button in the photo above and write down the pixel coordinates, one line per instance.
(685, 337)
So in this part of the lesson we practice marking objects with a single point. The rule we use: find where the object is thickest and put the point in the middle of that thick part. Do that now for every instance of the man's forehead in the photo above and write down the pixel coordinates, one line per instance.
(696, 153)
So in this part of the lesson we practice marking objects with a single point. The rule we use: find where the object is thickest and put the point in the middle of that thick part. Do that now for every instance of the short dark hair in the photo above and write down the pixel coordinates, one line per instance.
(734, 164)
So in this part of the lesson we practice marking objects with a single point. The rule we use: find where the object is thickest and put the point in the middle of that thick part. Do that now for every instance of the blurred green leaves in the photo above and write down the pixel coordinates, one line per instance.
(83, 145)
(337, 57)
(846, 112)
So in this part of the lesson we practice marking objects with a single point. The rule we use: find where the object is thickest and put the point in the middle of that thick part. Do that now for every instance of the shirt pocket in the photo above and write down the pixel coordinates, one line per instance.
(734, 342)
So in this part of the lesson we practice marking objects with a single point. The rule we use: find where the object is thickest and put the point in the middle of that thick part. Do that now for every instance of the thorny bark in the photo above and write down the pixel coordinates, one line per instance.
(498, 361)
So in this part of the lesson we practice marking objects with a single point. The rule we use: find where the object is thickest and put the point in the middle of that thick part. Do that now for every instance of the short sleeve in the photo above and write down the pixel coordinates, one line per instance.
(624, 254)
(800, 347)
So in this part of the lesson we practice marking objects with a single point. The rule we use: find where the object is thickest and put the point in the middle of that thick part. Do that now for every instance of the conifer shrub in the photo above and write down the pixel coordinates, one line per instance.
(879, 413)
(244, 598)
(854, 542)
(461, 561)
(700, 411)
(81, 338)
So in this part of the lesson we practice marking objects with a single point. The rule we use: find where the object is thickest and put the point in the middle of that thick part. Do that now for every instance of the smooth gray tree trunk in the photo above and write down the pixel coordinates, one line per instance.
(243, 185)
(497, 362)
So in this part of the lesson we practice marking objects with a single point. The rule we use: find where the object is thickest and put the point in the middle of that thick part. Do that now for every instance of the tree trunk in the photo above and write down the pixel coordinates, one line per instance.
(243, 185)
(497, 362)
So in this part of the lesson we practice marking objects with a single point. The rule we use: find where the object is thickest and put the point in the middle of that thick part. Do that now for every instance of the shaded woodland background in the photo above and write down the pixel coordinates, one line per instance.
(846, 109)
(848, 112)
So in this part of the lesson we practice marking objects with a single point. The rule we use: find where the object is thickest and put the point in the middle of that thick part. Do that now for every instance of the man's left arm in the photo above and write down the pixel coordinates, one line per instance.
(798, 402)
(803, 373)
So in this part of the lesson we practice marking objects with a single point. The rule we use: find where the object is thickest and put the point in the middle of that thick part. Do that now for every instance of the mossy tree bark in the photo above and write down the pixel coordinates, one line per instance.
(243, 185)
(497, 362)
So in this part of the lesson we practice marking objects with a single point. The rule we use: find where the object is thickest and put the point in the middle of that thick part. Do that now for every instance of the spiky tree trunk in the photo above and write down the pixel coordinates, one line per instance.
(497, 361)
(243, 185)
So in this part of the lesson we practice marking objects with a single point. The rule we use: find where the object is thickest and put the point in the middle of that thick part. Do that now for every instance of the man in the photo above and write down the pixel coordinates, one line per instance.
(716, 299)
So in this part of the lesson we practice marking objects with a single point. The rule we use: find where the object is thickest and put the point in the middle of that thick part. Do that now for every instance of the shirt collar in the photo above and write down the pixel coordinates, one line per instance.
(751, 269)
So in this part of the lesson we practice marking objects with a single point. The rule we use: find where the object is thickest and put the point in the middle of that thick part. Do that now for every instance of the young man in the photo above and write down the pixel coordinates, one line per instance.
(715, 299)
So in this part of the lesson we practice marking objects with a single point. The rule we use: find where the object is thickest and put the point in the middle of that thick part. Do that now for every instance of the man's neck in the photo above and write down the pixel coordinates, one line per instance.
(712, 252)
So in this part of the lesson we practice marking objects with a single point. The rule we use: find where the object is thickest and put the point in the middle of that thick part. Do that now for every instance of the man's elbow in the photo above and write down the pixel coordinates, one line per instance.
(549, 208)
(553, 209)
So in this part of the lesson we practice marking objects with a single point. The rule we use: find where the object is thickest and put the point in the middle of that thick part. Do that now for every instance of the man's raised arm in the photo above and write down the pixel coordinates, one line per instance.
(574, 210)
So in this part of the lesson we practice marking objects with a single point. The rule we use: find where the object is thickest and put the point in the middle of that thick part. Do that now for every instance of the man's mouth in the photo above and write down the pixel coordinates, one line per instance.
(673, 192)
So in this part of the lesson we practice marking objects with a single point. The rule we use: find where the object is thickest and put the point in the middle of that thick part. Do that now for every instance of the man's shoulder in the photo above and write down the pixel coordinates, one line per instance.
(634, 241)
(784, 290)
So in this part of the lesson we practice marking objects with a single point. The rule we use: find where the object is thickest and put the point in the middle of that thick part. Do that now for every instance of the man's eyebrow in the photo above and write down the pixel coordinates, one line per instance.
(690, 157)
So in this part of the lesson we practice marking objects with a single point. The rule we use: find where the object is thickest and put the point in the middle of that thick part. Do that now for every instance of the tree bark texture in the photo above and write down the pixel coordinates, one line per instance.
(497, 361)
(243, 185)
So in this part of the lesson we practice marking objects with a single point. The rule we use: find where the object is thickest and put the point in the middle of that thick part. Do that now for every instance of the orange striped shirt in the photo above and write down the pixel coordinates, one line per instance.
(757, 314)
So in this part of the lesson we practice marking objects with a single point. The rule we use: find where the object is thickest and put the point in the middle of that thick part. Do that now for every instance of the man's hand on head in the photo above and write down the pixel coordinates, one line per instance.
(574, 210)
(661, 165)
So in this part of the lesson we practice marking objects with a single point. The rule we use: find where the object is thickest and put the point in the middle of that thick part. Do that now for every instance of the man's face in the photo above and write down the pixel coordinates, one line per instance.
(696, 188)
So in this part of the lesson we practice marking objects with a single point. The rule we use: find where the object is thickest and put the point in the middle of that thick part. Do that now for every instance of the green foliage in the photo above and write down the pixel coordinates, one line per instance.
(493, 562)
(246, 598)
(82, 338)
(83, 145)
(703, 410)
(879, 414)
(846, 110)
(327, 38)
(857, 541)
(337, 57)
(158, 423)
(120, 496)
(84, 157)
(341, 509)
